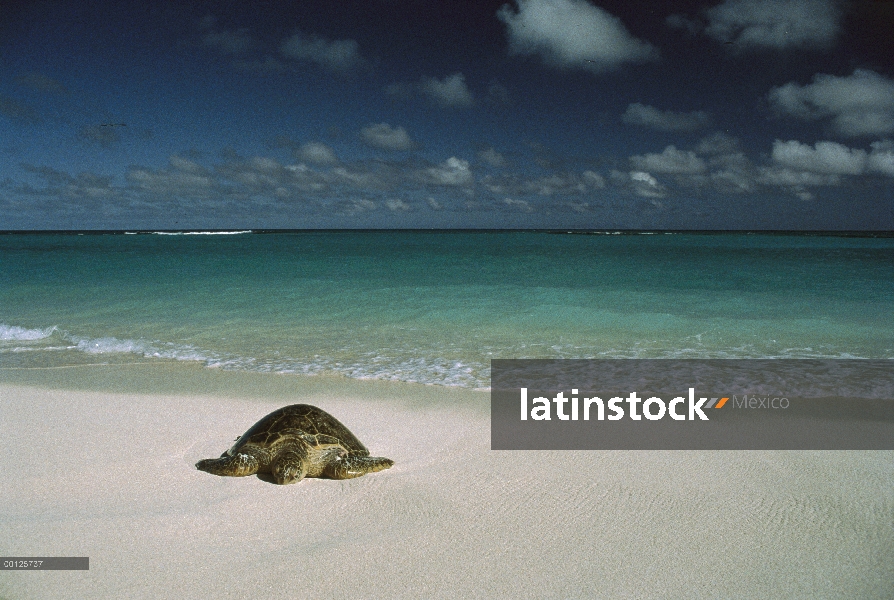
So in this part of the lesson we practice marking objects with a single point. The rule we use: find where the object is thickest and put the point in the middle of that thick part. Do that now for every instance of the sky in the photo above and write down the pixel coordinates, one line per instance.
(737, 114)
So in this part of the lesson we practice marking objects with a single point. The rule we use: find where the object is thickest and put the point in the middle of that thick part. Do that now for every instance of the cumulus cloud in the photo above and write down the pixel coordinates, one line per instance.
(831, 159)
(785, 176)
(59, 183)
(184, 179)
(640, 183)
(775, 24)
(732, 173)
(717, 143)
(824, 157)
(670, 161)
(354, 206)
(881, 159)
(860, 104)
(645, 185)
(451, 91)
(385, 137)
(491, 157)
(452, 172)
(396, 204)
(521, 205)
(558, 184)
(572, 34)
(316, 153)
(667, 120)
(334, 55)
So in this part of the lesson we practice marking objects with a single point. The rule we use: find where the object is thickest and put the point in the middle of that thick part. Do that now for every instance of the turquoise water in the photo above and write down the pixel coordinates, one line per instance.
(435, 307)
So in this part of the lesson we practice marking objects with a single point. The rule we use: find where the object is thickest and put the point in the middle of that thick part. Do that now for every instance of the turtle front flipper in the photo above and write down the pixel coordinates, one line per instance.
(357, 466)
(237, 465)
(289, 467)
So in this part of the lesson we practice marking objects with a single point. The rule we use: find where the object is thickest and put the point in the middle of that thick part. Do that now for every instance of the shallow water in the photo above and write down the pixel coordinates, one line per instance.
(436, 307)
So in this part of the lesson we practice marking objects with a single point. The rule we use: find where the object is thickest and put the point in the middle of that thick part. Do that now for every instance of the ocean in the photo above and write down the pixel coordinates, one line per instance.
(435, 307)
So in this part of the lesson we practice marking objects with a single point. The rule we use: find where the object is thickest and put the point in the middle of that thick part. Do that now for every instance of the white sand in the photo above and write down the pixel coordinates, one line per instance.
(111, 476)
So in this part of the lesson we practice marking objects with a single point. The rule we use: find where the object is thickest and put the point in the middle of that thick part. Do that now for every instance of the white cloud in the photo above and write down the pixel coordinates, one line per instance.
(670, 161)
(396, 204)
(593, 179)
(881, 159)
(558, 184)
(491, 157)
(718, 143)
(317, 153)
(646, 185)
(452, 91)
(521, 205)
(452, 172)
(860, 104)
(354, 206)
(793, 178)
(385, 137)
(572, 34)
(649, 116)
(334, 55)
(825, 157)
(186, 179)
(640, 183)
(83, 185)
(732, 172)
(775, 24)
(187, 166)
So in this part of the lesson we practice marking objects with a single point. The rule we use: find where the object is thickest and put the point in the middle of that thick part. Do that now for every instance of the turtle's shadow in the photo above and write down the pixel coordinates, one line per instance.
(266, 478)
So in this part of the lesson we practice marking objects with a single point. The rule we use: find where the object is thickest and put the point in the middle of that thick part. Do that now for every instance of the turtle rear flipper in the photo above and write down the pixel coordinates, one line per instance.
(357, 466)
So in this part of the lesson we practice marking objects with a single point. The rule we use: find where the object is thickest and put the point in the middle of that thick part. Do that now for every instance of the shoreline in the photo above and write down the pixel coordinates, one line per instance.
(113, 479)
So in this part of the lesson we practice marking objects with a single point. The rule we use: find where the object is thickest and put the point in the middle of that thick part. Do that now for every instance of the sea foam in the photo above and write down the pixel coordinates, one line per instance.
(15, 333)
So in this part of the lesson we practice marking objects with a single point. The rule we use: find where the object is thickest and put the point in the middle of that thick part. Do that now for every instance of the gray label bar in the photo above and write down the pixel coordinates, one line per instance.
(760, 404)
(45, 563)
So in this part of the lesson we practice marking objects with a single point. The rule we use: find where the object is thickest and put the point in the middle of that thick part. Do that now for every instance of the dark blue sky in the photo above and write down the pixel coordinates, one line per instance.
(388, 113)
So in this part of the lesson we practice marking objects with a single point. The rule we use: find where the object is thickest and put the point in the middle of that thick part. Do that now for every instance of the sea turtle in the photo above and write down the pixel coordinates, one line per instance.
(295, 442)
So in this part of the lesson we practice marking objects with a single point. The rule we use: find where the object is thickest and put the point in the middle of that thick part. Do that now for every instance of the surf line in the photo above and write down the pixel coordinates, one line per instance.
(653, 408)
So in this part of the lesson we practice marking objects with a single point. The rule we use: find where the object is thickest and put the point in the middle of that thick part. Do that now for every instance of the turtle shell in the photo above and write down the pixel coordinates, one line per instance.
(314, 423)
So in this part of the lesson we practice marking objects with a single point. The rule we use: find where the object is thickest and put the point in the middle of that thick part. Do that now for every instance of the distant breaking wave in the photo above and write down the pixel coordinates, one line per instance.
(200, 232)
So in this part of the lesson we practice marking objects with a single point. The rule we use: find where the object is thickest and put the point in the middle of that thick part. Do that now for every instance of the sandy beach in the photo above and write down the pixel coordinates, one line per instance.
(99, 463)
